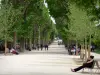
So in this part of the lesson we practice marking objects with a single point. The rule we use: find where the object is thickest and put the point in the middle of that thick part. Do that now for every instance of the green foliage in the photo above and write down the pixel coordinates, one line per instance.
(58, 8)
(84, 3)
(81, 24)
(83, 15)
(60, 11)
(91, 6)
(74, 19)
(97, 51)
(24, 17)
(8, 18)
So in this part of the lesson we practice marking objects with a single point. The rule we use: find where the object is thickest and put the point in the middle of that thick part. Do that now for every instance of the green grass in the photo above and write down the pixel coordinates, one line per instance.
(97, 51)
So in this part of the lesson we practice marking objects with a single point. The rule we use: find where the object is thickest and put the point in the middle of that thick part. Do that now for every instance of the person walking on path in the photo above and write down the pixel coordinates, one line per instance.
(38, 47)
(92, 48)
(88, 64)
(74, 49)
(41, 47)
(46, 47)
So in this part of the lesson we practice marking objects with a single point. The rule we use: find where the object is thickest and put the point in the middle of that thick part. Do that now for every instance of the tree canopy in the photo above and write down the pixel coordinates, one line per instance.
(31, 20)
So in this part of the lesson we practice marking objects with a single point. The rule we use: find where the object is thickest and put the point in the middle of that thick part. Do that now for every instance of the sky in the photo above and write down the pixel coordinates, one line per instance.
(48, 11)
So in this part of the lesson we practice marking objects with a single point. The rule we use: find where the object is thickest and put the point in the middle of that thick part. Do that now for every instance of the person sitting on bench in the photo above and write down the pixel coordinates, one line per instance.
(89, 64)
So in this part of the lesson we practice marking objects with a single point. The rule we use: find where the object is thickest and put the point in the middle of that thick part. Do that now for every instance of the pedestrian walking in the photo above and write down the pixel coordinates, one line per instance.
(46, 47)
(92, 48)
(38, 47)
(41, 47)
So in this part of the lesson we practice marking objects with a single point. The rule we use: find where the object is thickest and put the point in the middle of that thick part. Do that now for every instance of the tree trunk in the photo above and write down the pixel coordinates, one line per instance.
(89, 49)
(76, 47)
(6, 49)
(34, 42)
(85, 48)
(39, 37)
(30, 43)
(22, 45)
(15, 39)
(68, 45)
(81, 51)
(25, 43)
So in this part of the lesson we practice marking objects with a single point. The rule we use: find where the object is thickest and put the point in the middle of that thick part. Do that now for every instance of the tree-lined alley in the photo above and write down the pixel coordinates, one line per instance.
(29, 21)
